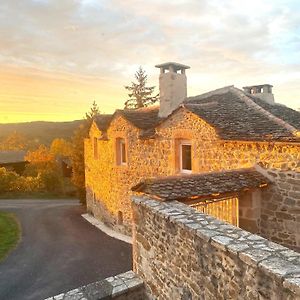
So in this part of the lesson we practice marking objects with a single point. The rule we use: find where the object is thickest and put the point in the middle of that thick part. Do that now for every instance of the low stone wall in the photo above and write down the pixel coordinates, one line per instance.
(280, 208)
(183, 254)
(126, 286)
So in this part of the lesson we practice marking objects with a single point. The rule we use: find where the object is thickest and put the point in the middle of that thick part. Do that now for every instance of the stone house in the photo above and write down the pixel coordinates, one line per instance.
(234, 154)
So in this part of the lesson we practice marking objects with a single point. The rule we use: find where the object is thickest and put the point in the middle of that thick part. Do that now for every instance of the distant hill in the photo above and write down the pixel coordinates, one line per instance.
(40, 131)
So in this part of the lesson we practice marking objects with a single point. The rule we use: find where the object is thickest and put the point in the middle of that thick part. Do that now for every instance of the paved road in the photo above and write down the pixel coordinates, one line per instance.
(59, 251)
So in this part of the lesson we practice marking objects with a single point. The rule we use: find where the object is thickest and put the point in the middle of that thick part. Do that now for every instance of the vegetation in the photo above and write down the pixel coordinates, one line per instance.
(43, 176)
(9, 233)
(139, 94)
(15, 141)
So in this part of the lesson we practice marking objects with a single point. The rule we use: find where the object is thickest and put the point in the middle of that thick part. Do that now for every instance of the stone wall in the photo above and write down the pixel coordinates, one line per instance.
(250, 210)
(280, 209)
(183, 254)
(109, 184)
(126, 286)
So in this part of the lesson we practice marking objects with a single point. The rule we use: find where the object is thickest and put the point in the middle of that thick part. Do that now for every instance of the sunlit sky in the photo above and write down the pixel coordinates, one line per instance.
(57, 57)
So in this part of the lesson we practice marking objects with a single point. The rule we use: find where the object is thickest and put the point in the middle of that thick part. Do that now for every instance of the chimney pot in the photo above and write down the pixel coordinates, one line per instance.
(172, 87)
(263, 91)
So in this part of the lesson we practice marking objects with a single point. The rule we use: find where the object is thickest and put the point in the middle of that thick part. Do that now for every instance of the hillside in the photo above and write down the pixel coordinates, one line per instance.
(40, 131)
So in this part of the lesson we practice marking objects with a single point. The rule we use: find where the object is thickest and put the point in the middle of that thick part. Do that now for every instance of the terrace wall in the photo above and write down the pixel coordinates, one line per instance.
(183, 254)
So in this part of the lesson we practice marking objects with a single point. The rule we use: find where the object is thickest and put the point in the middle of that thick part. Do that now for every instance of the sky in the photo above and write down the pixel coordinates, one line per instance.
(58, 56)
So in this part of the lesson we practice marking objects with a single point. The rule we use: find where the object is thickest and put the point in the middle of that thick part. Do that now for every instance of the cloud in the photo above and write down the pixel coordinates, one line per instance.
(223, 41)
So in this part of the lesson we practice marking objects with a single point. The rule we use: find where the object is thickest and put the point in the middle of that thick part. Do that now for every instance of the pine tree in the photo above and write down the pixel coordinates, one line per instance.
(139, 94)
(94, 112)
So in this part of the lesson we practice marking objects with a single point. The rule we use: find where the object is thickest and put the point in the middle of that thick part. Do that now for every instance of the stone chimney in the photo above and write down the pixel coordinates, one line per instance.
(172, 87)
(264, 92)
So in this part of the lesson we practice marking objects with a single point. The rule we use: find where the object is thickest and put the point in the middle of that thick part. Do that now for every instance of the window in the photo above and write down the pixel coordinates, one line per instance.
(120, 218)
(95, 148)
(185, 156)
(121, 152)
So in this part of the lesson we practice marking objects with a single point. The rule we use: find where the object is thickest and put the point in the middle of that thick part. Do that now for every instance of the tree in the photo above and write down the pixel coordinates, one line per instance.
(14, 141)
(39, 160)
(77, 157)
(61, 148)
(90, 115)
(139, 94)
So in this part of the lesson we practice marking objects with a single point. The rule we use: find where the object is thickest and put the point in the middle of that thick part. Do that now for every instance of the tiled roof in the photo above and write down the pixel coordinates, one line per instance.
(202, 185)
(103, 121)
(234, 119)
(234, 114)
(285, 113)
(144, 118)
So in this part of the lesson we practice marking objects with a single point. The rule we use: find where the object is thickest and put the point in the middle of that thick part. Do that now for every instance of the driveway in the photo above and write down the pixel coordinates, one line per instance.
(59, 251)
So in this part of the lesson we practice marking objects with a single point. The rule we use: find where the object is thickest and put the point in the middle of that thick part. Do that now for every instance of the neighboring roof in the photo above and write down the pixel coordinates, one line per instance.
(103, 121)
(202, 185)
(235, 118)
(12, 156)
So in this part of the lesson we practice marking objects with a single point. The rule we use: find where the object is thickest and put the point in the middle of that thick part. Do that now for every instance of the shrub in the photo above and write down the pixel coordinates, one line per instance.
(12, 182)
(51, 180)
(7, 180)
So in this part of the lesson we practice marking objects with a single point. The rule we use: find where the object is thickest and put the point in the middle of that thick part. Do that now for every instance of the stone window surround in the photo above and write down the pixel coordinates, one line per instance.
(119, 141)
(178, 136)
(184, 142)
(95, 147)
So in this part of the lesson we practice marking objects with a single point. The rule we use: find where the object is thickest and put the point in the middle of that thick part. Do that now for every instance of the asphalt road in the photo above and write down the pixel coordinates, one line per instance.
(58, 251)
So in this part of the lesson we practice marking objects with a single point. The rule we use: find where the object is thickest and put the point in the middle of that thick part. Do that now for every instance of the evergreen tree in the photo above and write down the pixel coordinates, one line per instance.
(94, 112)
(139, 94)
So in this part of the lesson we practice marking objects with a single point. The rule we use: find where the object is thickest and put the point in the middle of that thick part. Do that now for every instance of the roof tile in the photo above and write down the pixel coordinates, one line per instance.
(201, 185)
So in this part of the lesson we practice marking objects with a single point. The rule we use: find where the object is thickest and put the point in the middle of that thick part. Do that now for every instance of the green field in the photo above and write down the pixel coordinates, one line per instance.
(9, 233)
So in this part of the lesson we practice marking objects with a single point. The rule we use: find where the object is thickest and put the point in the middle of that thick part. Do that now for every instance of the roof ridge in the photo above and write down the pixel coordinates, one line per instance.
(222, 90)
(272, 117)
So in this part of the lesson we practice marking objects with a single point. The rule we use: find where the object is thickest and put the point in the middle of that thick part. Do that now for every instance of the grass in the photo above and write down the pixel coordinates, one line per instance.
(9, 233)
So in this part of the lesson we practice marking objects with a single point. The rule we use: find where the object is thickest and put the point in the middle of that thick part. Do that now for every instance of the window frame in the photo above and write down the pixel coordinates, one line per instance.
(120, 155)
(184, 143)
(95, 148)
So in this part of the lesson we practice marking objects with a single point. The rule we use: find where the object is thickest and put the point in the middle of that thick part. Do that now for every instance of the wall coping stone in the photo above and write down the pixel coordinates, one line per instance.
(254, 250)
(108, 288)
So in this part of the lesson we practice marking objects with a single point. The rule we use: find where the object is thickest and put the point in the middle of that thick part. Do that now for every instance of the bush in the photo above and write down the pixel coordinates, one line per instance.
(7, 180)
(28, 184)
(12, 182)
(51, 180)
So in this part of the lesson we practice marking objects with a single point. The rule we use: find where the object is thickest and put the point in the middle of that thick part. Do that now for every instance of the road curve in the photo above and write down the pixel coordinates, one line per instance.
(58, 251)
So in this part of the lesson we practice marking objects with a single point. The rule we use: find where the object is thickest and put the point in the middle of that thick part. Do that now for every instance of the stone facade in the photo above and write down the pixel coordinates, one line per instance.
(250, 210)
(108, 184)
(183, 254)
(280, 209)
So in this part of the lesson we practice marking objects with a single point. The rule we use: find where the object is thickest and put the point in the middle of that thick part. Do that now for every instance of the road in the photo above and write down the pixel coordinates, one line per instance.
(58, 251)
